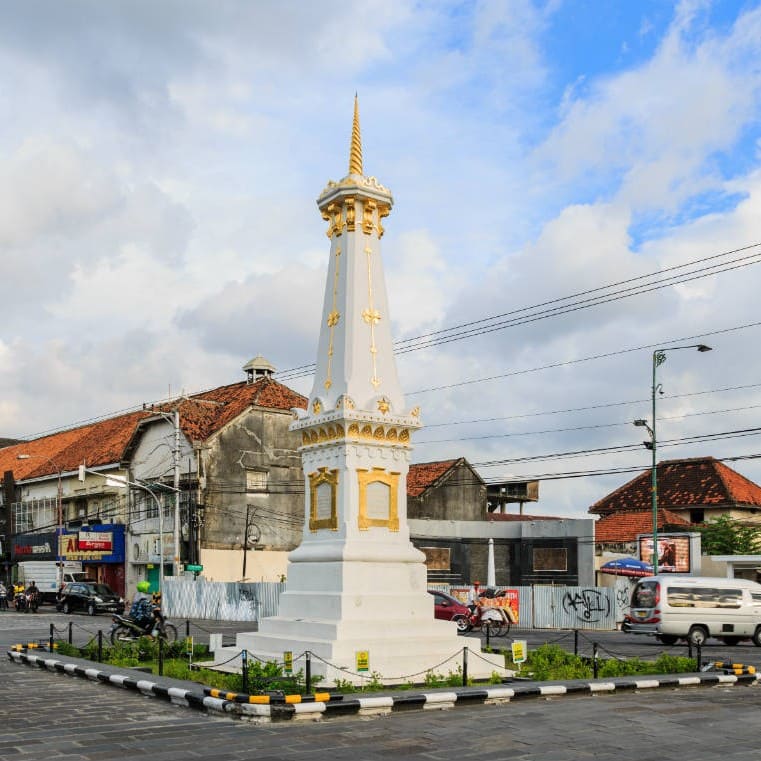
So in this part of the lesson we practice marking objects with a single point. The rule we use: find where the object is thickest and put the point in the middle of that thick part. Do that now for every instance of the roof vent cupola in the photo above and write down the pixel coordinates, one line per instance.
(257, 368)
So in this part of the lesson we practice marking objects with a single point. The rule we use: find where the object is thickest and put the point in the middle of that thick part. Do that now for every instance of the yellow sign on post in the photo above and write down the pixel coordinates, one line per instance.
(363, 660)
(520, 650)
(288, 661)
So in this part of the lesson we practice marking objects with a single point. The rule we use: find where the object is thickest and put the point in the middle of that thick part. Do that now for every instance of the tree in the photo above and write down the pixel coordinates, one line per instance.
(726, 536)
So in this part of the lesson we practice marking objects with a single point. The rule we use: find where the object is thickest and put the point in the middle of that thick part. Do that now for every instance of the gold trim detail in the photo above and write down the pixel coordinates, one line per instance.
(415, 412)
(404, 436)
(316, 407)
(383, 211)
(372, 317)
(345, 402)
(368, 211)
(333, 319)
(384, 405)
(378, 475)
(323, 476)
(353, 431)
(355, 151)
(332, 214)
(351, 215)
(391, 434)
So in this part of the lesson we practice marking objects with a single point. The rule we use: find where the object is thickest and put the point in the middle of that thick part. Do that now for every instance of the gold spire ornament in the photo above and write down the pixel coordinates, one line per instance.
(355, 154)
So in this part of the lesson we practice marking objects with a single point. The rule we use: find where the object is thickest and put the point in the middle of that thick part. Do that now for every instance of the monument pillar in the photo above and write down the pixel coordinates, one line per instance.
(356, 583)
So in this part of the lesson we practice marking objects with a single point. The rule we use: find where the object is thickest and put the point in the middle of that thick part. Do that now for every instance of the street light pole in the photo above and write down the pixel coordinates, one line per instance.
(122, 483)
(59, 511)
(659, 357)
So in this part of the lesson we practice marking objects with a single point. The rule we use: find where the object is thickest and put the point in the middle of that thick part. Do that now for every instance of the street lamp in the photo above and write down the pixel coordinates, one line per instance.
(120, 482)
(659, 357)
(174, 418)
(59, 510)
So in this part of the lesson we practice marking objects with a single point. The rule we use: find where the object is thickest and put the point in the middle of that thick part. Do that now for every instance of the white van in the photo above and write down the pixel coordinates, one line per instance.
(694, 608)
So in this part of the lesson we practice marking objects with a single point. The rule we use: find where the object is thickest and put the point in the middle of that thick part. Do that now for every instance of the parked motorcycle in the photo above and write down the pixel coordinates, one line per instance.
(126, 629)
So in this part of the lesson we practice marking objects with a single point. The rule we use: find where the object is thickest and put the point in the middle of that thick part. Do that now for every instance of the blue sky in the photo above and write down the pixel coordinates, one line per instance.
(160, 161)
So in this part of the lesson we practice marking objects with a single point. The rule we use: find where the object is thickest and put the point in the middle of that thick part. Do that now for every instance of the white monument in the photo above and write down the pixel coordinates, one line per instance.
(356, 583)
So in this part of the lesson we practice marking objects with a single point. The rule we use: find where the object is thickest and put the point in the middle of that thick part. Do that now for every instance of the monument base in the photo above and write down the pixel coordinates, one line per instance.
(337, 610)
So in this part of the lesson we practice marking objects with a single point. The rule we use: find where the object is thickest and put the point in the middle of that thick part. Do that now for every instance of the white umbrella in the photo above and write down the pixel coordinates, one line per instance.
(491, 573)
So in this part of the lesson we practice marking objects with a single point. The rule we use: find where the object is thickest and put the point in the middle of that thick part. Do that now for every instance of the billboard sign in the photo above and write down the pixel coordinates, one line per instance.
(674, 552)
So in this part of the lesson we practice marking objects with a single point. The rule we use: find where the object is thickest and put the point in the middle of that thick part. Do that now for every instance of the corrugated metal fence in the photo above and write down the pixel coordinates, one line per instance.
(541, 607)
(221, 601)
(556, 607)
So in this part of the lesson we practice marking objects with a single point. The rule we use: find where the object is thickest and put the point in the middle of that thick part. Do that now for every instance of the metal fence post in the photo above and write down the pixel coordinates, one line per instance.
(71, 627)
(575, 641)
(465, 666)
(699, 655)
(100, 645)
(308, 670)
(187, 627)
(594, 660)
(52, 634)
(244, 670)
(161, 656)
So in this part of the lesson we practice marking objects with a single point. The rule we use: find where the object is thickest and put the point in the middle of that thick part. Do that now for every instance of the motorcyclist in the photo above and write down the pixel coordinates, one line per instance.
(143, 611)
(33, 596)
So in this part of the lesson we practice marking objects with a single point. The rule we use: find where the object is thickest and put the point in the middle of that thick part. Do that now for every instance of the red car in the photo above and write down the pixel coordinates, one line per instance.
(449, 608)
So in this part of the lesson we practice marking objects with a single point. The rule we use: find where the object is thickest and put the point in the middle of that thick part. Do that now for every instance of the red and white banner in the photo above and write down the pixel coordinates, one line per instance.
(98, 541)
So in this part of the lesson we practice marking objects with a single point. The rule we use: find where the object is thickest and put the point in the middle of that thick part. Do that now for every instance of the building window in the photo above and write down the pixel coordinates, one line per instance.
(256, 480)
(697, 516)
(550, 559)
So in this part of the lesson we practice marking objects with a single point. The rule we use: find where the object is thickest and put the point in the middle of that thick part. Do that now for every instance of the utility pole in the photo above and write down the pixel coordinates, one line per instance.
(176, 454)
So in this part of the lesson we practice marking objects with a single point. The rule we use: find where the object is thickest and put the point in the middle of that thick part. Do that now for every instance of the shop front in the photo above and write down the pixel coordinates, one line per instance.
(100, 549)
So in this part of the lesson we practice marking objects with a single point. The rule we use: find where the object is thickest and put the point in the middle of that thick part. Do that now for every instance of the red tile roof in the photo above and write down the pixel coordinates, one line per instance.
(624, 527)
(105, 442)
(696, 482)
(202, 415)
(423, 475)
(95, 444)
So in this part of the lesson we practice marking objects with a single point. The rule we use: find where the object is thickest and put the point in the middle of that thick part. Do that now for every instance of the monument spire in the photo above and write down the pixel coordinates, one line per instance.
(356, 581)
(355, 153)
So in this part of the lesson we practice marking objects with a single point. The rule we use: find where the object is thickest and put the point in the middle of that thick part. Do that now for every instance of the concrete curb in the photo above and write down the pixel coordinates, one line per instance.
(334, 706)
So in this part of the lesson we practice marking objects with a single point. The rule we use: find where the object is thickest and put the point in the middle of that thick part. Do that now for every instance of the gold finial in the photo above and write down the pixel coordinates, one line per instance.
(355, 155)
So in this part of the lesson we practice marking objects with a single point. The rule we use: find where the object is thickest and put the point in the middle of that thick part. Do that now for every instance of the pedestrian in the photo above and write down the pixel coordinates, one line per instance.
(3, 596)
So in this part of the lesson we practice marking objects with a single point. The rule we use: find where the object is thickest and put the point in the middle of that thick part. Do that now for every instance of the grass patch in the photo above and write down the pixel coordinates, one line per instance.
(544, 663)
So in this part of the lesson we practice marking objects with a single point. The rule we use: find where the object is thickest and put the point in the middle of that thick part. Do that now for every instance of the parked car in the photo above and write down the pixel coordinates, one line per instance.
(89, 596)
(449, 608)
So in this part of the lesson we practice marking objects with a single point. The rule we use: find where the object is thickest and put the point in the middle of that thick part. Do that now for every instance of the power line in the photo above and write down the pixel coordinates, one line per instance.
(568, 362)
(592, 406)
(529, 314)
(699, 439)
(581, 427)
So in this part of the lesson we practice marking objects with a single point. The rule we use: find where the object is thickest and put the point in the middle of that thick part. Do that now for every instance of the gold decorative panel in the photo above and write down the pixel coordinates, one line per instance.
(323, 500)
(378, 495)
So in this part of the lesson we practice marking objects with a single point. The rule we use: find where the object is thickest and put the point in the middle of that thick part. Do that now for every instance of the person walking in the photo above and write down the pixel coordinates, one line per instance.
(3, 596)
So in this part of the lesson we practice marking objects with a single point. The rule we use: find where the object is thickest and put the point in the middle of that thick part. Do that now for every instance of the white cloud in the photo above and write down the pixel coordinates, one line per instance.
(157, 216)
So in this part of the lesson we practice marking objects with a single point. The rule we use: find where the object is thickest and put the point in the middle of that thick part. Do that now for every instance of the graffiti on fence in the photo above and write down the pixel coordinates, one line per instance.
(586, 604)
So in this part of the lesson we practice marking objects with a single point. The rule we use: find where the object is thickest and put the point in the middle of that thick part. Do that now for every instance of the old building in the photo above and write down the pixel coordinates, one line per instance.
(223, 462)
(453, 515)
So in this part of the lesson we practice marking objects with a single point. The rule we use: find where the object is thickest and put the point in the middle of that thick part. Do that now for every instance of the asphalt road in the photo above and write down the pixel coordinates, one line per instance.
(51, 716)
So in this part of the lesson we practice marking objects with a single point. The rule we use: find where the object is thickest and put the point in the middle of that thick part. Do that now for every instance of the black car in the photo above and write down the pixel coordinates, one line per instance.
(89, 596)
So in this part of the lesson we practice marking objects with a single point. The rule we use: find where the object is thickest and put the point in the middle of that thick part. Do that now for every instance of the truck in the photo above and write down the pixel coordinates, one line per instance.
(45, 574)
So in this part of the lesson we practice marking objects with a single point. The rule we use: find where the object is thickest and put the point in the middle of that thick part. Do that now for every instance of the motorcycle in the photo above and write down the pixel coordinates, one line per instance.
(126, 629)
(25, 601)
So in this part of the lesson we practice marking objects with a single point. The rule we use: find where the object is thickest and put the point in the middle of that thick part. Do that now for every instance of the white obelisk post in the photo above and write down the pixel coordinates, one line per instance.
(356, 583)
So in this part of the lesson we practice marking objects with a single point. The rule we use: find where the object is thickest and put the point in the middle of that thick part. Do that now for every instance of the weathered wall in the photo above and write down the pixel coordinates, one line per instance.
(227, 565)
(460, 496)
(258, 440)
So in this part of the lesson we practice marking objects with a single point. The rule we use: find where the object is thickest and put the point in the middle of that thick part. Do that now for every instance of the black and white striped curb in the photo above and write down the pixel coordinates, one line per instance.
(365, 706)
